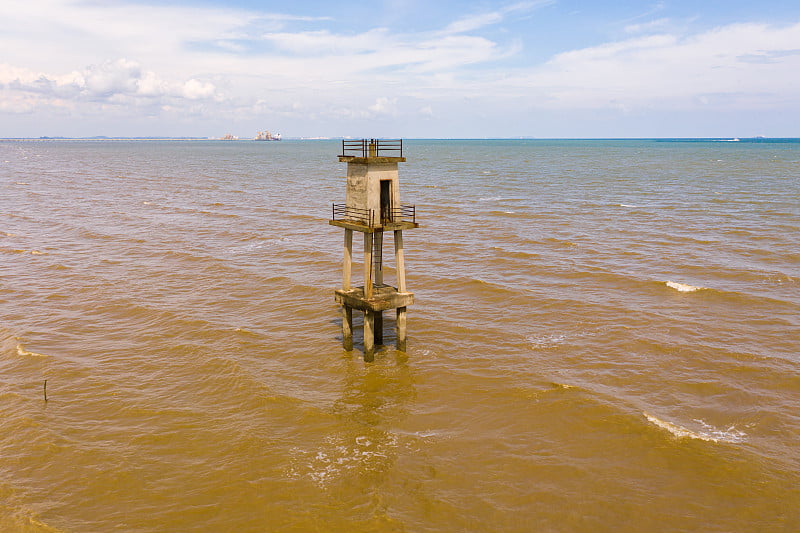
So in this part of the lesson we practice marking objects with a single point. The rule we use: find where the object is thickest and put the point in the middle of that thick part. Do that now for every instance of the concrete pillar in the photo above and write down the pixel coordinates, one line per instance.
(400, 260)
(369, 336)
(347, 328)
(401, 329)
(347, 267)
(378, 327)
(367, 265)
(378, 259)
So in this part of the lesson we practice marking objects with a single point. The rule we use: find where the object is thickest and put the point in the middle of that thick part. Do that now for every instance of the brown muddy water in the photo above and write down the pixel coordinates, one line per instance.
(605, 338)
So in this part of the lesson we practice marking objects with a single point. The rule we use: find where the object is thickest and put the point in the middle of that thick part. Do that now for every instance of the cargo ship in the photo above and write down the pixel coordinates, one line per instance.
(266, 135)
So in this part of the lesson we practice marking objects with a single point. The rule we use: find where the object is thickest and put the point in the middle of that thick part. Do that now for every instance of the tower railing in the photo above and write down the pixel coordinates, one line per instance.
(372, 147)
(406, 213)
(369, 218)
(353, 214)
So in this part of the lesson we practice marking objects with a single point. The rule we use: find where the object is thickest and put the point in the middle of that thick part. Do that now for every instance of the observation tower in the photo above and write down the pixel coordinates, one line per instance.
(372, 207)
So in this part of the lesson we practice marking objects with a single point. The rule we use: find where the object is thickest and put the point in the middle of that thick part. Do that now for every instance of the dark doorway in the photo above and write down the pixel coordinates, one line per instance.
(386, 201)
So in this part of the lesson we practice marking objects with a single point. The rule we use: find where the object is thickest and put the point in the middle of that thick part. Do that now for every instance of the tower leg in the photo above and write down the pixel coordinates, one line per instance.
(347, 264)
(378, 327)
(400, 260)
(368, 265)
(347, 328)
(378, 257)
(369, 336)
(401, 329)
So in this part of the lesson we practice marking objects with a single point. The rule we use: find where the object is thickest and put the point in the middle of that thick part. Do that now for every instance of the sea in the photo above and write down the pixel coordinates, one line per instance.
(605, 337)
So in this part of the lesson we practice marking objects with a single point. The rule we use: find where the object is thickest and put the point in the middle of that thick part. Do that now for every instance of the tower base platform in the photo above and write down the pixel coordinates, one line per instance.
(384, 297)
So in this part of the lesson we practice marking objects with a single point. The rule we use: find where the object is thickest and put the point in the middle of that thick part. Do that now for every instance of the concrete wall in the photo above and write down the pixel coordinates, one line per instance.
(364, 184)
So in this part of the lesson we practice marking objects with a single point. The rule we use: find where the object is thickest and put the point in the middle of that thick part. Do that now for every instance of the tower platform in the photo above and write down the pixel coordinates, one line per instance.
(364, 226)
(375, 160)
(383, 297)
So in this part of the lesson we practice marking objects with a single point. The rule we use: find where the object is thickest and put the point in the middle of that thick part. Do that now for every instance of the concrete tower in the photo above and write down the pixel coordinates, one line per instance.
(373, 207)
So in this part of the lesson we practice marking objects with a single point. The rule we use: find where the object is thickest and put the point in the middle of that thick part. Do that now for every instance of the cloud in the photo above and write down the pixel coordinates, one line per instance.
(474, 22)
(324, 42)
(110, 78)
(197, 90)
(161, 55)
(673, 71)
(648, 27)
(122, 84)
(384, 106)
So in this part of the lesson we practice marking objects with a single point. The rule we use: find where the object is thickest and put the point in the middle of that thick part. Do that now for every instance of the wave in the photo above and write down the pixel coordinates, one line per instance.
(683, 287)
(23, 519)
(261, 245)
(498, 199)
(708, 433)
(20, 251)
(22, 352)
(340, 455)
(544, 342)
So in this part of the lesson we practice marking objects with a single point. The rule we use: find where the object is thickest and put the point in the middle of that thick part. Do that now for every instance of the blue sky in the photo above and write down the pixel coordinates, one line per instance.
(400, 68)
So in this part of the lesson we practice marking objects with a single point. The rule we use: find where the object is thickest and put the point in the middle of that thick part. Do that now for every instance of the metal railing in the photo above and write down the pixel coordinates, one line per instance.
(368, 217)
(353, 214)
(404, 213)
(372, 147)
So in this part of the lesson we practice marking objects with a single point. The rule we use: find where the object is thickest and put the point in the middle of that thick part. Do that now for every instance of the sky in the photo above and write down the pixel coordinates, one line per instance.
(400, 68)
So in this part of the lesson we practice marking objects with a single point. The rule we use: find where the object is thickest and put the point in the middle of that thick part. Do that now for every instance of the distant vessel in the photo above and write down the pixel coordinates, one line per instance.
(266, 135)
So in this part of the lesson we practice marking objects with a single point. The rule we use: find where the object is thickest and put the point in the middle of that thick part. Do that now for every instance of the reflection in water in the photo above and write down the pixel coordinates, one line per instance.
(362, 445)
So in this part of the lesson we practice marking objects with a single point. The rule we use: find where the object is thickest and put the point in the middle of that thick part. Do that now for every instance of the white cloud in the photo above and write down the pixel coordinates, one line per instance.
(474, 22)
(111, 77)
(325, 43)
(102, 82)
(197, 90)
(384, 106)
(674, 72)
(646, 27)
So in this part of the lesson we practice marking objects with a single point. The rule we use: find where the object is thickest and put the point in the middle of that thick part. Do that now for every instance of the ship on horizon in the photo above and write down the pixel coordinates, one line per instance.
(266, 135)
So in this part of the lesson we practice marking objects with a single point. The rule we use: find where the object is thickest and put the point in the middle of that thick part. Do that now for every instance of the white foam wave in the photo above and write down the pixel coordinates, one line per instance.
(261, 245)
(545, 341)
(339, 457)
(683, 287)
(708, 433)
(730, 434)
(495, 199)
(22, 352)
